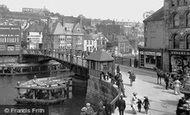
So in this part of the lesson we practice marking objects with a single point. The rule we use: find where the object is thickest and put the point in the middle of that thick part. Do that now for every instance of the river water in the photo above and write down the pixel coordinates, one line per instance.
(69, 107)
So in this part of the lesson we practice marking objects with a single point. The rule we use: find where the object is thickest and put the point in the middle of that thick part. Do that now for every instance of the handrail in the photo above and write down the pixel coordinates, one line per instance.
(113, 102)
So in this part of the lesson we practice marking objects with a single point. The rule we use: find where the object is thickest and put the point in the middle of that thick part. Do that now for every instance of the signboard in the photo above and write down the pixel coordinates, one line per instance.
(180, 52)
(151, 53)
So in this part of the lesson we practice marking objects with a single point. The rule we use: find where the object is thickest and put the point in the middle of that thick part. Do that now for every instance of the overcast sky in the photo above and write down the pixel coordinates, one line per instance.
(131, 10)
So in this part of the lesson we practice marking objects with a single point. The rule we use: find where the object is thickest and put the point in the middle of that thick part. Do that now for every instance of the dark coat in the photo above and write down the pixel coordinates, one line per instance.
(121, 104)
(108, 109)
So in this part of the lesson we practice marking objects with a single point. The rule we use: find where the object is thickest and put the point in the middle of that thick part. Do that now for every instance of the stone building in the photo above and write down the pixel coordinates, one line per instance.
(151, 55)
(169, 35)
(177, 22)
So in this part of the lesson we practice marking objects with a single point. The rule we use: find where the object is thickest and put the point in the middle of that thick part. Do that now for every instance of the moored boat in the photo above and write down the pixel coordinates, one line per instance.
(50, 90)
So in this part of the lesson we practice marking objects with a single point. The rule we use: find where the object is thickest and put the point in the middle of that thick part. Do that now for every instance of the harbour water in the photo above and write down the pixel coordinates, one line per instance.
(69, 107)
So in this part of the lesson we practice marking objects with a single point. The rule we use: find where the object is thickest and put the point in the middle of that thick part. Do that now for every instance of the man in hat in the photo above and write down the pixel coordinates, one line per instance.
(90, 110)
(121, 105)
(132, 77)
(146, 104)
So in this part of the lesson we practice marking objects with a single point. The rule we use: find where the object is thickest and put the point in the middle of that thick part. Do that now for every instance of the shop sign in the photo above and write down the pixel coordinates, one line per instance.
(150, 53)
(158, 54)
(180, 53)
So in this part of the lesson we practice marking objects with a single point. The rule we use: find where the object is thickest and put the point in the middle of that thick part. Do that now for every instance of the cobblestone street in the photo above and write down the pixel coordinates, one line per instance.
(162, 101)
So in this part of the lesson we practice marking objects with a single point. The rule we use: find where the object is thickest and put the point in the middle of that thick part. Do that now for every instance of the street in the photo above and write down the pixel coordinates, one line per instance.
(162, 101)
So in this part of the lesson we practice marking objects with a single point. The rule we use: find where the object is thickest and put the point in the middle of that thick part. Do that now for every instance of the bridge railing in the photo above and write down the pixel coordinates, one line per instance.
(64, 56)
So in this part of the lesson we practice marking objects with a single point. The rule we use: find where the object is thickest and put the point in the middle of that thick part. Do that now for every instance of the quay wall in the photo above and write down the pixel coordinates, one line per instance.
(98, 90)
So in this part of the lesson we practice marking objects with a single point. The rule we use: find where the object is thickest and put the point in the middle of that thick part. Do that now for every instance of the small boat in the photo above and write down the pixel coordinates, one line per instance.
(46, 91)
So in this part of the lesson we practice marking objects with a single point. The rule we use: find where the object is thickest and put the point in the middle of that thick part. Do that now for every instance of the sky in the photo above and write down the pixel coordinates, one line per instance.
(120, 10)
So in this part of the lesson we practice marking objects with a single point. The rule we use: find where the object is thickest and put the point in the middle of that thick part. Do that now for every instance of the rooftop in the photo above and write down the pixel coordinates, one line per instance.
(100, 56)
(157, 16)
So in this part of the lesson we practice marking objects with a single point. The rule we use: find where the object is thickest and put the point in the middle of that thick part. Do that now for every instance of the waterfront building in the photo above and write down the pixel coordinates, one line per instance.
(10, 43)
(34, 35)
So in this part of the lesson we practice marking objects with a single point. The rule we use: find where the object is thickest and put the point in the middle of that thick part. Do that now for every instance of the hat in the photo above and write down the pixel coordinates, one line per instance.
(84, 109)
(87, 104)
(146, 97)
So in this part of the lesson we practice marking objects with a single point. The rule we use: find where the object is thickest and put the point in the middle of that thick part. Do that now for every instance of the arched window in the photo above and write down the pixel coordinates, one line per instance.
(178, 2)
(176, 20)
(185, 2)
(172, 3)
(188, 19)
(176, 41)
(188, 41)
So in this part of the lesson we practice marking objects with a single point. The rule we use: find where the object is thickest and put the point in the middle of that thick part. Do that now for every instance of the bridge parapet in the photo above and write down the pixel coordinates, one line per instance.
(58, 55)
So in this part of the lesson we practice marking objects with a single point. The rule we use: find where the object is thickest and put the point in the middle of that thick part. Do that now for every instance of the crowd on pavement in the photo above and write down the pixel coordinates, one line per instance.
(136, 104)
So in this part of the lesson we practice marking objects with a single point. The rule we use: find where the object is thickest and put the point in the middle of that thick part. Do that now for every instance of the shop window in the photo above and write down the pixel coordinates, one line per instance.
(176, 20)
(188, 41)
(188, 19)
(142, 60)
(150, 59)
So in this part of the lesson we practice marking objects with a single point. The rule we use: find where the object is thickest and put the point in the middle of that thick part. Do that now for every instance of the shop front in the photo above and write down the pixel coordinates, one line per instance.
(150, 58)
(179, 61)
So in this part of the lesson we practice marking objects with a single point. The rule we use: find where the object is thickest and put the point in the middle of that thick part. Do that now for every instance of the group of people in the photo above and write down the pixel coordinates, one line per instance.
(104, 108)
(87, 110)
(173, 82)
(135, 103)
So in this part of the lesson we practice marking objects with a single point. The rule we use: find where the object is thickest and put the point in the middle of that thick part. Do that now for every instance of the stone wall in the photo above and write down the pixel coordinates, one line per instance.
(99, 90)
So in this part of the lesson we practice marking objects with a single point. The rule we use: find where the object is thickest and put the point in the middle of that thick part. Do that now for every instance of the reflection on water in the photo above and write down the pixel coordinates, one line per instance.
(8, 93)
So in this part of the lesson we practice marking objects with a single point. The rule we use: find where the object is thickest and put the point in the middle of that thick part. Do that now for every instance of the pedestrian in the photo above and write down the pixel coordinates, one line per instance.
(166, 79)
(177, 85)
(132, 77)
(121, 87)
(101, 108)
(83, 111)
(139, 104)
(121, 105)
(90, 110)
(134, 102)
(118, 69)
(108, 108)
(146, 104)
(180, 105)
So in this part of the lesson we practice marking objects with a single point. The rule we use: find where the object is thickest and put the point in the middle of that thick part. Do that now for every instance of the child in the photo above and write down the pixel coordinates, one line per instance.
(139, 104)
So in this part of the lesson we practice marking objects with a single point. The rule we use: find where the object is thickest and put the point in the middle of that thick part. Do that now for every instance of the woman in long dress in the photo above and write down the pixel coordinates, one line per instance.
(177, 85)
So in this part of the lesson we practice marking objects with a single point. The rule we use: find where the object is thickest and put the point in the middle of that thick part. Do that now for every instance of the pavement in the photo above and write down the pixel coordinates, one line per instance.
(162, 101)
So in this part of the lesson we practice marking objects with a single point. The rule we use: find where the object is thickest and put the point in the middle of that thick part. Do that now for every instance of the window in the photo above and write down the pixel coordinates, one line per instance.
(188, 19)
(10, 48)
(176, 20)
(185, 2)
(176, 42)
(188, 41)
(178, 2)
(172, 3)
(87, 42)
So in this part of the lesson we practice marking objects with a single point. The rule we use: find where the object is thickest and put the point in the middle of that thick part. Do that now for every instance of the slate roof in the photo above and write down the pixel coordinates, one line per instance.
(157, 16)
(100, 56)
(36, 27)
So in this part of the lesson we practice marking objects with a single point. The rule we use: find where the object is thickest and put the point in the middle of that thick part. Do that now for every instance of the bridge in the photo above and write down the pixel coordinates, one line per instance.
(96, 89)
(75, 63)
